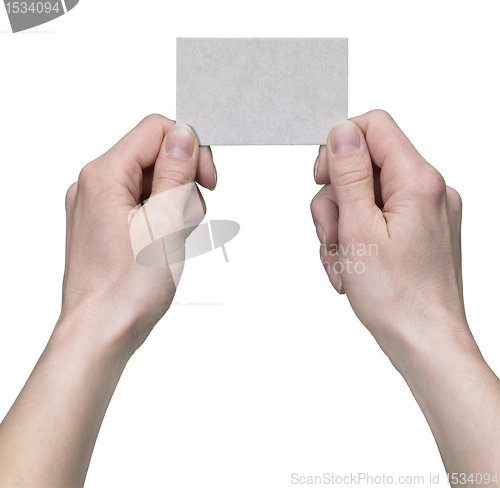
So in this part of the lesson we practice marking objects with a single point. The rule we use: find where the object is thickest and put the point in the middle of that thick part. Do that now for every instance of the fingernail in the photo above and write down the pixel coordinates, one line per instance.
(180, 141)
(215, 179)
(316, 168)
(344, 138)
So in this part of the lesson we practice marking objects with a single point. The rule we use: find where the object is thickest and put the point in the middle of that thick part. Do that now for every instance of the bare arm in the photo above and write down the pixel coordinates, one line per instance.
(48, 435)
(110, 303)
(404, 280)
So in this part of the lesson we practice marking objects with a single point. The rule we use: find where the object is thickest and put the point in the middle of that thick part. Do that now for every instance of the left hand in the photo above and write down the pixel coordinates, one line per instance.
(102, 280)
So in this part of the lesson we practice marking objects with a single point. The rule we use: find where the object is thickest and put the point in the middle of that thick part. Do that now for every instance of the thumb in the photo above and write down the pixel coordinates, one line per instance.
(173, 188)
(350, 170)
(175, 206)
(177, 160)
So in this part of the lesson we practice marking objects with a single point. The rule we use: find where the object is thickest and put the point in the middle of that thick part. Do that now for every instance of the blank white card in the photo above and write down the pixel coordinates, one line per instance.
(272, 91)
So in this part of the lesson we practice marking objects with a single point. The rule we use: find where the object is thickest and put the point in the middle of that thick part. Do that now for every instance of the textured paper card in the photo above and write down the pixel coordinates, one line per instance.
(273, 91)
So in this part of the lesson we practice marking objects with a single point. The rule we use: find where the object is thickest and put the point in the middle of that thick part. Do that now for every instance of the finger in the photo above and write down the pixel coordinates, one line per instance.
(142, 144)
(137, 152)
(177, 162)
(192, 215)
(175, 199)
(325, 213)
(175, 206)
(351, 173)
(400, 163)
(206, 175)
(321, 176)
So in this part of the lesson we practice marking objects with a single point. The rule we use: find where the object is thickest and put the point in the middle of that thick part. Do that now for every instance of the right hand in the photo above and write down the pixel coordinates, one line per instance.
(383, 198)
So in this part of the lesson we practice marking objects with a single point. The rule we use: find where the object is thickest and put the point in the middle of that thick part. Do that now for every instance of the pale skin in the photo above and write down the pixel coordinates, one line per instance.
(377, 190)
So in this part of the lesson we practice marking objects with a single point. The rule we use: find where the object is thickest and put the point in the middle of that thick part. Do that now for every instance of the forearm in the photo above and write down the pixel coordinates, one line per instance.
(460, 398)
(47, 438)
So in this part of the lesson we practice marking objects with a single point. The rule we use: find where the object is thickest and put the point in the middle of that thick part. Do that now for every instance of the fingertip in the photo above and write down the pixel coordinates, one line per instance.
(344, 138)
(180, 142)
(177, 160)
(207, 174)
(321, 176)
(206, 153)
(215, 178)
(349, 168)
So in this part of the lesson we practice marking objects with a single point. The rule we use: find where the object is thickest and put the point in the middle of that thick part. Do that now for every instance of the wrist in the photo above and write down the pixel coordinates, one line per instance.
(92, 331)
(420, 348)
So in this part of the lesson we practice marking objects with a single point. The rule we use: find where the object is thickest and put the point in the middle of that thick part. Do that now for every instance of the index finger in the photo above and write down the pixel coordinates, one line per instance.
(390, 150)
(140, 147)
(138, 151)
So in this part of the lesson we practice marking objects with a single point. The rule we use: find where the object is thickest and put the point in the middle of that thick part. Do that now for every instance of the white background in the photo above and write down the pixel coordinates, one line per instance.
(276, 376)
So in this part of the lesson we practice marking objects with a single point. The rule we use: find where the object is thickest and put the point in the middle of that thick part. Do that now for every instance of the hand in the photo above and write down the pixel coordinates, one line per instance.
(102, 279)
(110, 303)
(390, 233)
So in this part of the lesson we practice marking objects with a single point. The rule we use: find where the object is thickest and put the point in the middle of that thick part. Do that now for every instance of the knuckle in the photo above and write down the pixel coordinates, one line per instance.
(94, 177)
(381, 114)
(435, 183)
(177, 175)
(352, 176)
(154, 119)
(87, 175)
(429, 186)
(316, 204)
(313, 205)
